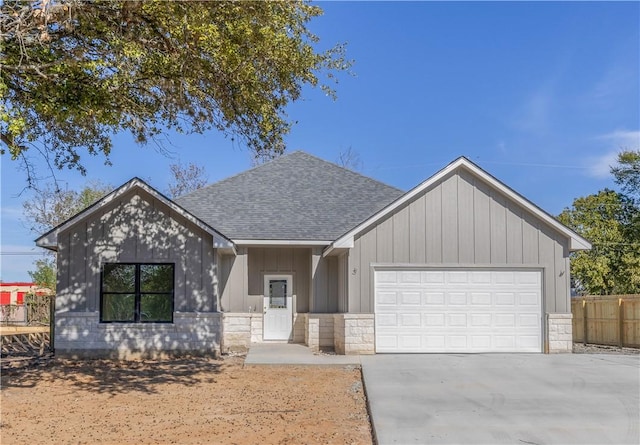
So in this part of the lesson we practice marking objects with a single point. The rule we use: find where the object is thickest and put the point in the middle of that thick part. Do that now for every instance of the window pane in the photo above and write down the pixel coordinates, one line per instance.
(156, 278)
(155, 307)
(119, 278)
(277, 293)
(118, 307)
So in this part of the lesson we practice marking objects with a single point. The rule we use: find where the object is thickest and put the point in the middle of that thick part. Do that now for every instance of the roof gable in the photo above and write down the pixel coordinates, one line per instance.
(576, 241)
(50, 239)
(294, 197)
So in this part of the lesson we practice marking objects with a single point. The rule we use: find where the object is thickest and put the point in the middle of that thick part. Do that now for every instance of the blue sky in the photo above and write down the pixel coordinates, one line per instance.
(541, 95)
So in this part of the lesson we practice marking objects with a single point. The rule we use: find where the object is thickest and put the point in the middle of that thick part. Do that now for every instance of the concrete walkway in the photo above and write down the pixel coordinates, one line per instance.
(294, 354)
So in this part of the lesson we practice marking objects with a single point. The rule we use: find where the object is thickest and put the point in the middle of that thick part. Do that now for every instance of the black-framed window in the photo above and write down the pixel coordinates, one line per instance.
(137, 293)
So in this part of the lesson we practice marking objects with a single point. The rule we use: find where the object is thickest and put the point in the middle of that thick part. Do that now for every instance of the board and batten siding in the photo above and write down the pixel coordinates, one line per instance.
(136, 228)
(242, 276)
(460, 221)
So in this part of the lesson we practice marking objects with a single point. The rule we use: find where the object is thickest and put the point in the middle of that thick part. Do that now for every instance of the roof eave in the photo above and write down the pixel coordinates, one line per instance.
(280, 242)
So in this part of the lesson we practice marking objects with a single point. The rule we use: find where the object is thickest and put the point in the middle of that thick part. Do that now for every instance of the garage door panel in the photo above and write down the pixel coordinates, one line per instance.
(434, 342)
(480, 320)
(530, 342)
(528, 299)
(528, 320)
(460, 311)
(412, 277)
(456, 320)
(410, 298)
(410, 320)
(387, 298)
(436, 298)
(410, 342)
(457, 298)
(505, 298)
(387, 277)
(387, 320)
(502, 278)
(481, 342)
(432, 277)
(433, 320)
(387, 343)
(457, 341)
(531, 278)
(505, 320)
(481, 298)
(480, 277)
(504, 341)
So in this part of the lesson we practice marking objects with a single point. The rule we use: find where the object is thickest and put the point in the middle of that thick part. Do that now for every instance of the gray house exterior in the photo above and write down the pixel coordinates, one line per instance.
(302, 250)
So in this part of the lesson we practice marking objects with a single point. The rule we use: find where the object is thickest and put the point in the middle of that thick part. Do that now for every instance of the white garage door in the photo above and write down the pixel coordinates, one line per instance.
(458, 310)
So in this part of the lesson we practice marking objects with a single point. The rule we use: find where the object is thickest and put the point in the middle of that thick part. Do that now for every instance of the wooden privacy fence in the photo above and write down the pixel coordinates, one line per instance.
(607, 320)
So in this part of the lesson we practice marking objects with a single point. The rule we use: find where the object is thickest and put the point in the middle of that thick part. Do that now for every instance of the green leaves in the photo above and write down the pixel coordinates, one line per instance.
(78, 71)
(610, 221)
(627, 172)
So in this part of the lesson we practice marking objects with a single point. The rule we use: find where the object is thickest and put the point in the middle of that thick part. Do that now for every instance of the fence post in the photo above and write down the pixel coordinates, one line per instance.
(620, 322)
(52, 323)
(584, 321)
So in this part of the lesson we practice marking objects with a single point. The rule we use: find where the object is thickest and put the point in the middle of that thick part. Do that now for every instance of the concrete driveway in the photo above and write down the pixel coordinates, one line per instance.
(504, 398)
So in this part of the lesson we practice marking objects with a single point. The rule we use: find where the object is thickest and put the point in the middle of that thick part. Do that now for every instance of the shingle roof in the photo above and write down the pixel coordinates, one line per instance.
(295, 197)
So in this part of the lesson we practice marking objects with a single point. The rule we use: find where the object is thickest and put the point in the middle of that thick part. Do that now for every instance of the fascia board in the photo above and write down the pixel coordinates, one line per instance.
(269, 242)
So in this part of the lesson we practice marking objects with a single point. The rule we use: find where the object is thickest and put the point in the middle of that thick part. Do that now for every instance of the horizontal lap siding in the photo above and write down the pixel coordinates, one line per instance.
(460, 220)
(136, 228)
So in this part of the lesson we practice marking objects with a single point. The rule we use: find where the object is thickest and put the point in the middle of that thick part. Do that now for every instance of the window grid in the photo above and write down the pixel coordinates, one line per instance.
(137, 292)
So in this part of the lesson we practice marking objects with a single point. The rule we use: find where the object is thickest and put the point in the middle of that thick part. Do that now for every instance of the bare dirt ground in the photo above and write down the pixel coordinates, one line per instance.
(190, 400)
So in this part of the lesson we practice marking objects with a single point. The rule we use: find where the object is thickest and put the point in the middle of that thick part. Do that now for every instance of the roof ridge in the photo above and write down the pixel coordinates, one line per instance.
(283, 157)
(251, 169)
(348, 170)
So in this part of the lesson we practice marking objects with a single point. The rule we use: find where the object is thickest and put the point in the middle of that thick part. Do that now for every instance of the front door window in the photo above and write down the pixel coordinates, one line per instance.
(277, 294)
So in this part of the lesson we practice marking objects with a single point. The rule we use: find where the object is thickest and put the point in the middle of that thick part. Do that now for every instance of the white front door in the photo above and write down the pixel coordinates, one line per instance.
(278, 311)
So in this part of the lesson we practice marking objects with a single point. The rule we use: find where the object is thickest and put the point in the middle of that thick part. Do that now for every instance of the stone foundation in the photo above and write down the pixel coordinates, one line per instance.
(559, 333)
(240, 330)
(81, 334)
(319, 331)
(354, 334)
(299, 328)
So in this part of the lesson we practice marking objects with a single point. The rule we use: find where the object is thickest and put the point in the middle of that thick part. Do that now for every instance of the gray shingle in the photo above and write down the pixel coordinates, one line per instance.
(295, 197)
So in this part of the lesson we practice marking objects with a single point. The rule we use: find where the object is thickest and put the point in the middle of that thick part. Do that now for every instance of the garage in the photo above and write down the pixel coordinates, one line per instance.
(458, 310)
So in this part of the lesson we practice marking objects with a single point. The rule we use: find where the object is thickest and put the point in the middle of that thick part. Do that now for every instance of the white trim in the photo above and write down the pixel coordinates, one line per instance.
(269, 242)
(50, 239)
(269, 330)
(576, 241)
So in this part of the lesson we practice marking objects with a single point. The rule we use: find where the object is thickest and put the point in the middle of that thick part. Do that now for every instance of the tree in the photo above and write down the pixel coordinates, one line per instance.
(74, 72)
(45, 273)
(186, 179)
(607, 219)
(49, 208)
(52, 206)
(627, 172)
(350, 159)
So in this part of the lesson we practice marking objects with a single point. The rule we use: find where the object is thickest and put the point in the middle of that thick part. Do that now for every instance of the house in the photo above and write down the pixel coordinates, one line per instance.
(302, 250)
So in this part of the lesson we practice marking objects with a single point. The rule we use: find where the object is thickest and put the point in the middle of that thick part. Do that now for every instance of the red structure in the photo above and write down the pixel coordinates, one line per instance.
(13, 293)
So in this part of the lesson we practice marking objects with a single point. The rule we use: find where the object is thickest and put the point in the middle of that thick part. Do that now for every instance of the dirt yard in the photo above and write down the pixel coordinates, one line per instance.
(182, 401)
